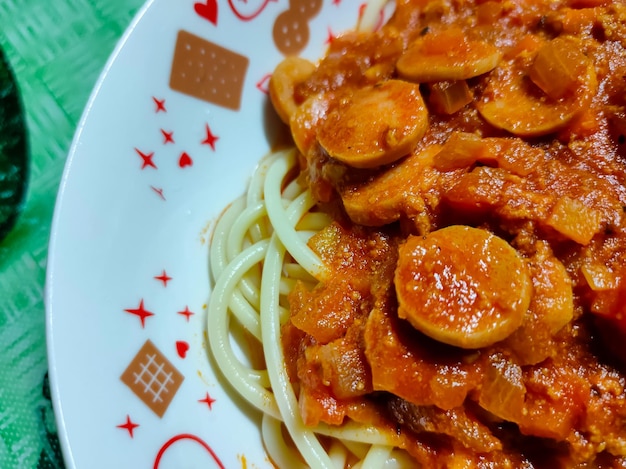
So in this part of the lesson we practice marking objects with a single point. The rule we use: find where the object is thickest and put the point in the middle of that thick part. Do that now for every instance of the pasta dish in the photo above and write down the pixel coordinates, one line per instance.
(434, 272)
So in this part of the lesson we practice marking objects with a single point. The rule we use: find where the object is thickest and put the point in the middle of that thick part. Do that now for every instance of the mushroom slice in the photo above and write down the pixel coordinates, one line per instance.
(521, 99)
(447, 55)
(376, 125)
(462, 286)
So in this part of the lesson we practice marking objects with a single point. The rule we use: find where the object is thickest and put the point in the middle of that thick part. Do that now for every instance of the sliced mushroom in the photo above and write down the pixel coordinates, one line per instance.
(447, 55)
(376, 125)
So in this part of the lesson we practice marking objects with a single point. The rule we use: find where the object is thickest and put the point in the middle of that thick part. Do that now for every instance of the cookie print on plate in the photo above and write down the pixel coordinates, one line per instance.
(171, 135)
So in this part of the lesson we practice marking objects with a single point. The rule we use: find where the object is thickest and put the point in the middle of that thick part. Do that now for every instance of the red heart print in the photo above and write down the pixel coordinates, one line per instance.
(184, 160)
(182, 347)
(207, 10)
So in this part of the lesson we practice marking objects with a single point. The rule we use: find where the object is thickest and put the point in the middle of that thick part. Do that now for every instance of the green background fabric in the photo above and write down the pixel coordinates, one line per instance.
(56, 49)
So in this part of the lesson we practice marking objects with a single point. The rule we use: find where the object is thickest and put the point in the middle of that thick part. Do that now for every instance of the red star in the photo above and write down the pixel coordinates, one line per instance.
(158, 191)
(167, 136)
(129, 425)
(263, 83)
(210, 138)
(141, 313)
(331, 37)
(160, 105)
(208, 400)
(163, 278)
(186, 313)
(146, 159)
(336, 2)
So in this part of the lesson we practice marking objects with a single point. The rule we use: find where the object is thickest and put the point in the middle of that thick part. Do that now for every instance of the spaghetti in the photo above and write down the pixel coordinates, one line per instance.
(258, 251)
(434, 274)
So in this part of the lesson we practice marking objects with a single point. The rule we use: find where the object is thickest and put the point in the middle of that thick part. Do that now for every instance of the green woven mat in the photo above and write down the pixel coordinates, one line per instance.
(56, 49)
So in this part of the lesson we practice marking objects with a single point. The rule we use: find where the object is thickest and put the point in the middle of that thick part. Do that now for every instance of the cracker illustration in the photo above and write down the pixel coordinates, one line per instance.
(152, 378)
(207, 71)
(291, 32)
(306, 8)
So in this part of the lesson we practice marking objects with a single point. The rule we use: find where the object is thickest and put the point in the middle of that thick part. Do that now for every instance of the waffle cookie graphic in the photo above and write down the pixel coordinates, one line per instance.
(208, 71)
(152, 378)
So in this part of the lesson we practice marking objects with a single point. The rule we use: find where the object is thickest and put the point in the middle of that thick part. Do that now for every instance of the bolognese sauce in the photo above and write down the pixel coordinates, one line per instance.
(473, 156)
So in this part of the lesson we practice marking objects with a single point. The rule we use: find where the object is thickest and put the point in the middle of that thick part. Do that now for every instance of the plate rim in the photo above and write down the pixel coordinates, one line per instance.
(49, 281)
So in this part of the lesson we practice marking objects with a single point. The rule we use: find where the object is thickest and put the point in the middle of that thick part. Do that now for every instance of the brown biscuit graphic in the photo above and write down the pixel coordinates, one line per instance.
(291, 28)
(306, 8)
(208, 71)
(152, 378)
(291, 32)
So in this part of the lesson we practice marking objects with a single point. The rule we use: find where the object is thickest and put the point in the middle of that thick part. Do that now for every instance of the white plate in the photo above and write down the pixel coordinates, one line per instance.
(130, 233)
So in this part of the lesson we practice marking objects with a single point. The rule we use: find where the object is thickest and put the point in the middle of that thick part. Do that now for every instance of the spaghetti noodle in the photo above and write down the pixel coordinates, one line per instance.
(253, 277)
(434, 274)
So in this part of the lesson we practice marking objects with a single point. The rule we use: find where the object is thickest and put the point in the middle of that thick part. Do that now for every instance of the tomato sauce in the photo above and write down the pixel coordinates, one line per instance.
(516, 130)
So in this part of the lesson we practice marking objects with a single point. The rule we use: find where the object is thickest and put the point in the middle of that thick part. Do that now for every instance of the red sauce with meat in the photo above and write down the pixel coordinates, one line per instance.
(515, 129)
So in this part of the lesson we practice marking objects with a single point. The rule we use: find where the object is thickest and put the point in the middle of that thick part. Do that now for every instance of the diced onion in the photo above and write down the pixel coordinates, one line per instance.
(448, 97)
(558, 66)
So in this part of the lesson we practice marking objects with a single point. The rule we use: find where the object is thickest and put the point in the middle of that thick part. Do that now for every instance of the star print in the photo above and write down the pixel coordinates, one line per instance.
(186, 313)
(167, 136)
(263, 83)
(160, 105)
(163, 278)
(208, 400)
(331, 37)
(210, 138)
(159, 191)
(336, 2)
(141, 313)
(129, 425)
(146, 159)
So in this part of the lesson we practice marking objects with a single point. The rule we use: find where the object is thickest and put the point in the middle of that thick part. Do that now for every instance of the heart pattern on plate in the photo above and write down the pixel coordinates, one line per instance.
(207, 10)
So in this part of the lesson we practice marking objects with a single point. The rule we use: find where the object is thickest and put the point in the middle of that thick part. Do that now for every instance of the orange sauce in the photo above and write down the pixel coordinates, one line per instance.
(525, 106)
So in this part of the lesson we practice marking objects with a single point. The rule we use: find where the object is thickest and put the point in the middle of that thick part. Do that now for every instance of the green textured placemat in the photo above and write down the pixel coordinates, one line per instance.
(56, 49)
